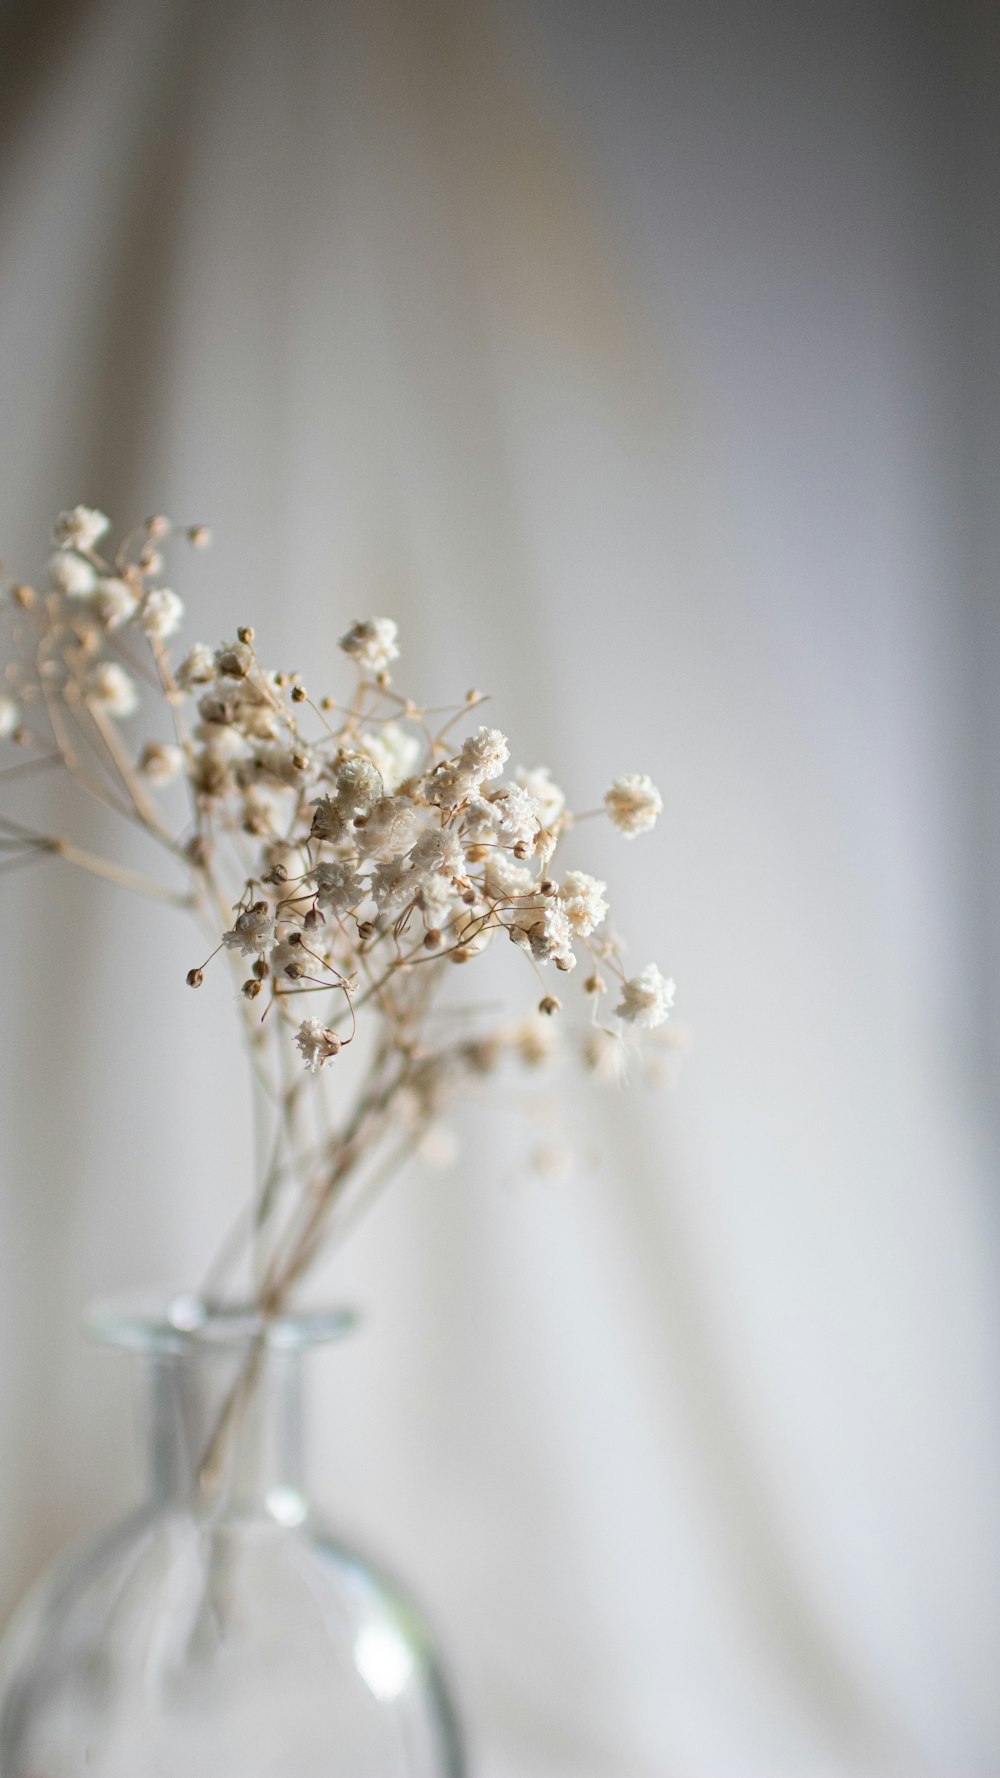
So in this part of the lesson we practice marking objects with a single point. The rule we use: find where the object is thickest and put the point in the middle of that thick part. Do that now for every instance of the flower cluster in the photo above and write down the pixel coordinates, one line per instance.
(374, 852)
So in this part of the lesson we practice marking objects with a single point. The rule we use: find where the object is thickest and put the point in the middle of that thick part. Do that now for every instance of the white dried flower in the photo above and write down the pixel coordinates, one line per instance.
(359, 787)
(514, 816)
(285, 764)
(288, 959)
(646, 999)
(372, 643)
(253, 933)
(255, 714)
(71, 574)
(583, 898)
(394, 886)
(113, 601)
(538, 783)
(160, 761)
(161, 613)
(485, 753)
(449, 785)
(395, 753)
(633, 803)
(197, 668)
(327, 821)
(109, 685)
(338, 886)
(436, 900)
(506, 880)
(550, 936)
(317, 1043)
(80, 528)
(233, 660)
(390, 829)
(370, 860)
(211, 768)
(438, 848)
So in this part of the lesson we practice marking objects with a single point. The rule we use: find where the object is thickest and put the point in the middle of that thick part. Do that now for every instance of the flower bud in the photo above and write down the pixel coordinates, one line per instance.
(549, 1004)
(251, 989)
(195, 977)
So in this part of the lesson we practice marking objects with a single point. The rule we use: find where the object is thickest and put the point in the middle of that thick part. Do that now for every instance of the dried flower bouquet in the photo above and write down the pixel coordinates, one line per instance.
(342, 855)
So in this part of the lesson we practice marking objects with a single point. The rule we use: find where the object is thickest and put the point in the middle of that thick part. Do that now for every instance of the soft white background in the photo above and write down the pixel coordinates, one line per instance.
(639, 359)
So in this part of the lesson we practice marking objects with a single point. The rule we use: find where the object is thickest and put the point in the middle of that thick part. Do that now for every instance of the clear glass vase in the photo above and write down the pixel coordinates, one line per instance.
(219, 1631)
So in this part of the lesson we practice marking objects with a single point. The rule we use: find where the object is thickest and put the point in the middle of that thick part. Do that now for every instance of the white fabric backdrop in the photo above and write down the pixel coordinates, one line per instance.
(628, 357)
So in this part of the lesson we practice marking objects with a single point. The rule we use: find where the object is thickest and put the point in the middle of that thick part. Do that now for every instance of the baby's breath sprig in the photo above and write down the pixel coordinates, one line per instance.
(343, 855)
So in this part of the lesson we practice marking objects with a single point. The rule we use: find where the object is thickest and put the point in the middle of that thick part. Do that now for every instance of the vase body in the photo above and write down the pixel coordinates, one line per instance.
(219, 1631)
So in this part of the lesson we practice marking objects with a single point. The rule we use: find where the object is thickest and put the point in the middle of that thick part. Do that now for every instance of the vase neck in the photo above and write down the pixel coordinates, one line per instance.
(225, 1431)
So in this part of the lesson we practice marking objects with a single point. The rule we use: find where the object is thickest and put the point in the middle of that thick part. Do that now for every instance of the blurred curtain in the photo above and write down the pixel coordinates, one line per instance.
(639, 361)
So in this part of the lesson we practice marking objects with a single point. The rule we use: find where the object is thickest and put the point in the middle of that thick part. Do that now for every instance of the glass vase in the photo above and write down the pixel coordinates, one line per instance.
(219, 1631)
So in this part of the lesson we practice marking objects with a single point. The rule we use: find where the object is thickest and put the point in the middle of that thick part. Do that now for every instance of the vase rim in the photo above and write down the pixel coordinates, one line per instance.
(177, 1320)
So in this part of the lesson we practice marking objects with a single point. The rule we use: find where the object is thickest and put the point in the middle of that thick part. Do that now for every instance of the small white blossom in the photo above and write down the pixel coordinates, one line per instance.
(109, 685)
(633, 803)
(583, 898)
(197, 668)
(80, 528)
(436, 899)
(10, 716)
(161, 613)
(338, 886)
(538, 783)
(481, 758)
(286, 765)
(438, 849)
(514, 815)
(394, 752)
(394, 886)
(113, 601)
(327, 821)
(506, 880)
(160, 761)
(317, 1043)
(450, 785)
(550, 936)
(485, 753)
(288, 959)
(253, 933)
(372, 643)
(70, 574)
(233, 660)
(646, 999)
(390, 829)
(359, 787)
